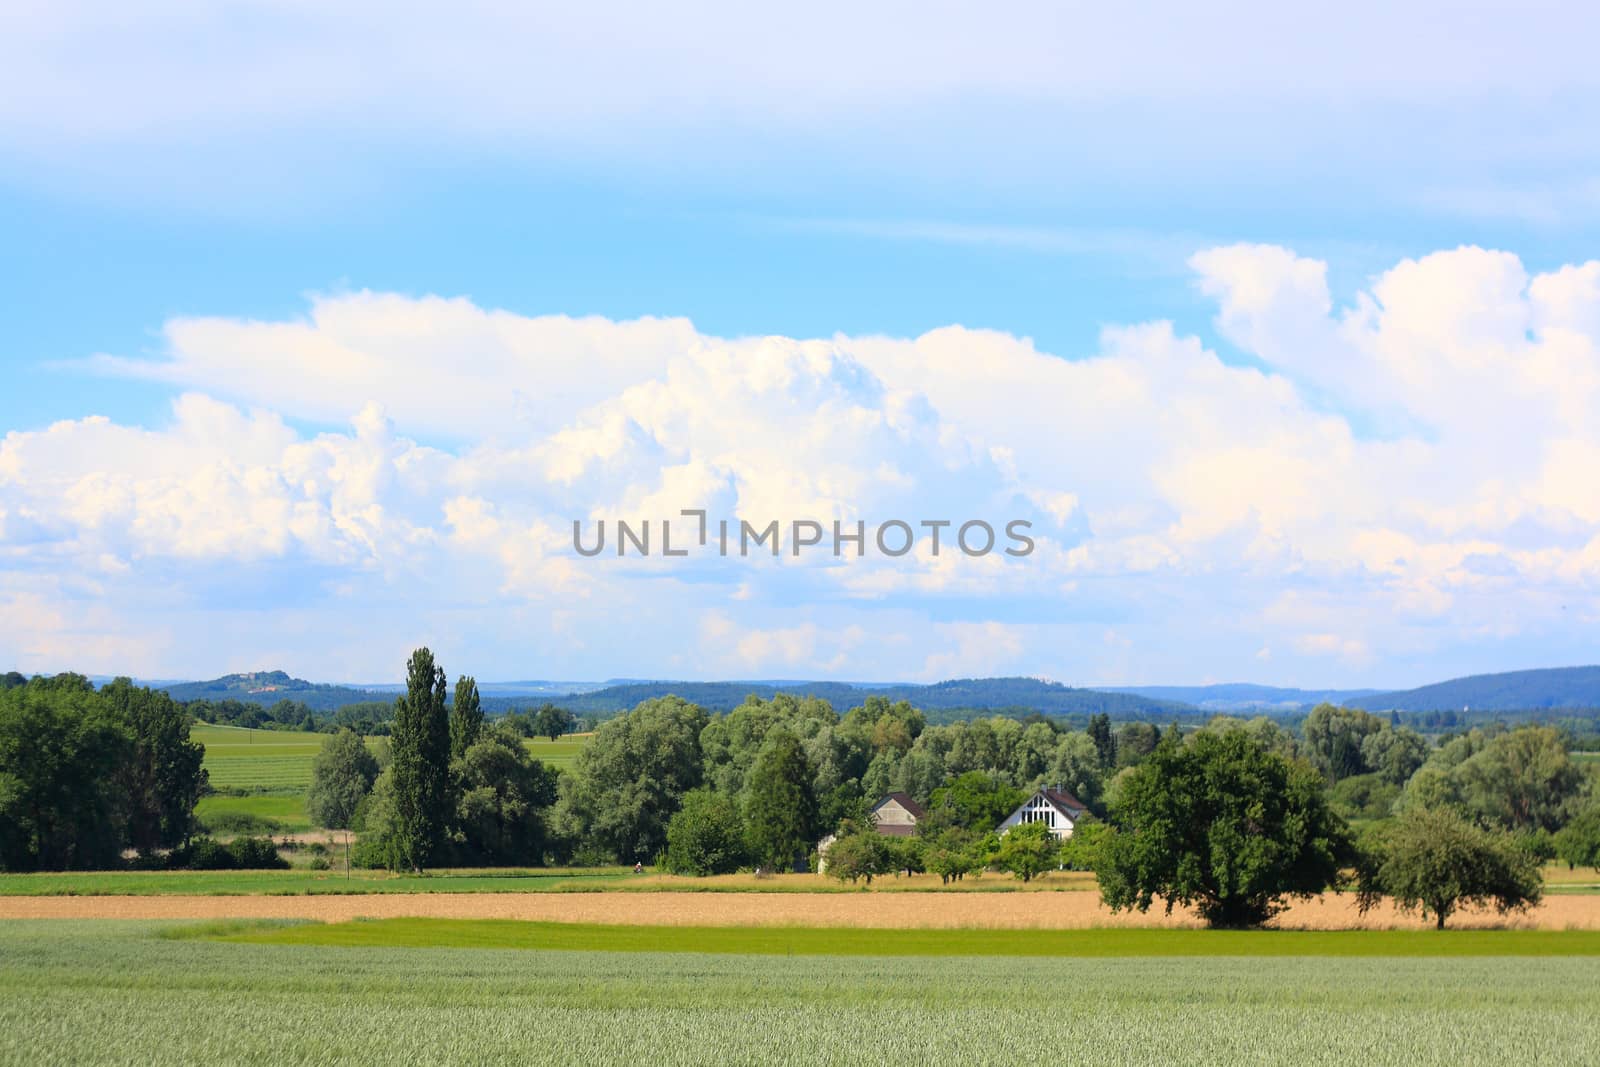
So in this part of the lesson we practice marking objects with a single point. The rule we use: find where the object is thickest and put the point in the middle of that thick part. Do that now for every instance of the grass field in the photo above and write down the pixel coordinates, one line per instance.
(266, 772)
(113, 992)
(840, 941)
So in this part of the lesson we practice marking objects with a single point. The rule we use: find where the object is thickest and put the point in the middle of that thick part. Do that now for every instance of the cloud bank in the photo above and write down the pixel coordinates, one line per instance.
(1380, 487)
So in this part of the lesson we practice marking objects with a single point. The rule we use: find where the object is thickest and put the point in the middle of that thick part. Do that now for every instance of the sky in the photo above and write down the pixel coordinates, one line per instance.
(322, 328)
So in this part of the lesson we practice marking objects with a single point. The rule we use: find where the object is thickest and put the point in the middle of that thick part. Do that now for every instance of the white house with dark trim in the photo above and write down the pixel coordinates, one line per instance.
(1056, 808)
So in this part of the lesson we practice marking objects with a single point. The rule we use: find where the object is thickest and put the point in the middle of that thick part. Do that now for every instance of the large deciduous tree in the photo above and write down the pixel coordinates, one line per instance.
(1222, 825)
(504, 792)
(629, 780)
(162, 778)
(421, 766)
(1435, 861)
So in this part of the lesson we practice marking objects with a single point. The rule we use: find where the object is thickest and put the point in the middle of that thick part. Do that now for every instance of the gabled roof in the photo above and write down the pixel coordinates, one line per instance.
(1064, 801)
(905, 802)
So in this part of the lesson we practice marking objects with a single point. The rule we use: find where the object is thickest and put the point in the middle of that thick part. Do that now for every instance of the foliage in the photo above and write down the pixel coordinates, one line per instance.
(341, 777)
(1222, 825)
(1435, 861)
(1364, 796)
(163, 778)
(466, 717)
(978, 801)
(631, 778)
(952, 854)
(1081, 850)
(706, 835)
(242, 853)
(553, 722)
(503, 794)
(859, 852)
(780, 808)
(1105, 745)
(1578, 843)
(1335, 739)
(420, 773)
(1027, 850)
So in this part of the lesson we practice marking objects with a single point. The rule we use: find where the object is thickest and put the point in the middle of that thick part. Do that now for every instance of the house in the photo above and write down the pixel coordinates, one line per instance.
(1051, 805)
(895, 815)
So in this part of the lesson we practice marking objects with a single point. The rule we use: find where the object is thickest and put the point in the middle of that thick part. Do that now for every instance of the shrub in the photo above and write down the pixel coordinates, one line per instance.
(256, 853)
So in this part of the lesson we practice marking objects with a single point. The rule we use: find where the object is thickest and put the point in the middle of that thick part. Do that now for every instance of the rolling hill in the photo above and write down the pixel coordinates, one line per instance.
(1548, 688)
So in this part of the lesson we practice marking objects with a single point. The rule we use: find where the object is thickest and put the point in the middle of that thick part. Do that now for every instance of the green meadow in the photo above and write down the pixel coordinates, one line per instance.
(265, 773)
(843, 941)
(131, 993)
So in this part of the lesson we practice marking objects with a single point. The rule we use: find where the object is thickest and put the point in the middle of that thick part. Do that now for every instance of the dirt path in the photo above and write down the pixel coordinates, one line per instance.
(930, 910)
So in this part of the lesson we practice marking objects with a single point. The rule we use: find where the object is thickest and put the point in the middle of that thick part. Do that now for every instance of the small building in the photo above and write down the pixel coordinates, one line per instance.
(1055, 807)
(896, 815)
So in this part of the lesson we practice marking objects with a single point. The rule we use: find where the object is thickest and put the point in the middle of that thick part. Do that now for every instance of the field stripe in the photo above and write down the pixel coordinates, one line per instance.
(796, 941)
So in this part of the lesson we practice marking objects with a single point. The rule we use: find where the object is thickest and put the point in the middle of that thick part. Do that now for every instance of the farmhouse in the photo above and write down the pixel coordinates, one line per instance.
(1055, 807)
(895, 815)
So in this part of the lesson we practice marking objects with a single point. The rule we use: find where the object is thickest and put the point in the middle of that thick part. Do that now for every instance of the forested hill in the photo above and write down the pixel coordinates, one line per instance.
(269, 687)
(1554, 687)
(1019, 696)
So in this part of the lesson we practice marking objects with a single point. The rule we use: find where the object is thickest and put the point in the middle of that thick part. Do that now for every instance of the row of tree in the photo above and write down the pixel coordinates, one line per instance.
(86, 774)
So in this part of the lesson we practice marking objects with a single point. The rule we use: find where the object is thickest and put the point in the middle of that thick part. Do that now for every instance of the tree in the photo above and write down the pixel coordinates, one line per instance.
(1521, 780)
(706, 835)
(780, 808)
(978, 801)
(341, 777)
(503, 792)
(859, 852)
(1578, 842)
(60, 752)
(466, 717)
(1027, 850)
(1135, 741)
(629, 780)
(1395, 753)
(1335, 737)
(1104, 743)
(161, 779)
(1222, 825)
(1081, 850)
(1435, 861)
(553, 722)
(421, 767)
(951, 854)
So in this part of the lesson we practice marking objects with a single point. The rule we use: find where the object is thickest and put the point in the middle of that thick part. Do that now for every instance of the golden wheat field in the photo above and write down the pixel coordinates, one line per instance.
(1067, 910)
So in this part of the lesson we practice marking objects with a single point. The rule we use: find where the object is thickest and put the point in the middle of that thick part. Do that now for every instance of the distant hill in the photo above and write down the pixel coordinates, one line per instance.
(1550, 688)
(1240, 696)
(1017, 696)
(269, 687)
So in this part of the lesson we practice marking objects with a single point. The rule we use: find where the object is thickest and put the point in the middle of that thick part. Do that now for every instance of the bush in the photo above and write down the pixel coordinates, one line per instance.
(256, 853)
(319, 863)
(705, 836)
(244, 853)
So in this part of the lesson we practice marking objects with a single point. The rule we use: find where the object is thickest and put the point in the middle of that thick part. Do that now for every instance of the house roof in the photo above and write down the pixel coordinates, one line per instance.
(1064, 801)
(905, 802)
(895, 830)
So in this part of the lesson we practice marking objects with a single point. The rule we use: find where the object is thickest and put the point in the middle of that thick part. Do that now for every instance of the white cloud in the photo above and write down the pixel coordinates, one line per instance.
(1171, 491)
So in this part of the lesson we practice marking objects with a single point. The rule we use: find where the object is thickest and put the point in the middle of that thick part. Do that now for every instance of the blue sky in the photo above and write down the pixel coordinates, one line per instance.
(270, 246)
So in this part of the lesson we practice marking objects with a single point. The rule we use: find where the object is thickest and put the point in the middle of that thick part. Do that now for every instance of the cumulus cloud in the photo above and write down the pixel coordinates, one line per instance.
(1397, 474)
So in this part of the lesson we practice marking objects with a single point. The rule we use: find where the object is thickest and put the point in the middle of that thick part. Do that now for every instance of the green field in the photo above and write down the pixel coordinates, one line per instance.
(266, 772)
(844, 941)
(117, 992)
(285, 812)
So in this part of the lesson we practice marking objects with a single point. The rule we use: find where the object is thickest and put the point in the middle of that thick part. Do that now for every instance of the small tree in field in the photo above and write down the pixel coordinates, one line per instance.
(859, 854)
(552, 722)
(1435, 861)
(706, 835)
(1027, 850)
(341, 777)
(1578, 842)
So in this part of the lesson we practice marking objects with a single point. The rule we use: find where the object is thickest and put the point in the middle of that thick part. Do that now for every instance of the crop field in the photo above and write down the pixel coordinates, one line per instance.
(560, 753)
(237, 758)
(116, 992)
(279, 812)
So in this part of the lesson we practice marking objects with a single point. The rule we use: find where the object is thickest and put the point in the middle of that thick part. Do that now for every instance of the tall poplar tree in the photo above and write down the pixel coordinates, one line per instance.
(466, 717)
(421, 765)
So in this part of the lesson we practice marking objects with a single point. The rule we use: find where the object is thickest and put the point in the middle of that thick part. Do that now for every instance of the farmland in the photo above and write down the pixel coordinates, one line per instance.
(265, 773)
(117, 992)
